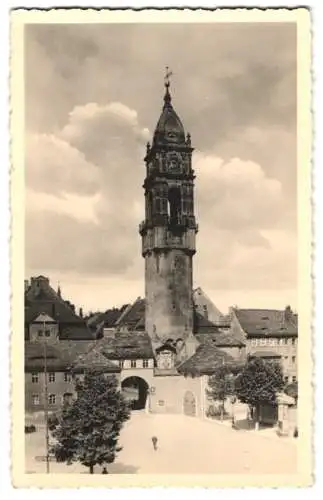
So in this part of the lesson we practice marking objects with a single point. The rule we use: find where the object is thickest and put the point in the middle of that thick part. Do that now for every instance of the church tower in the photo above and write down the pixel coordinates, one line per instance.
(169, 229)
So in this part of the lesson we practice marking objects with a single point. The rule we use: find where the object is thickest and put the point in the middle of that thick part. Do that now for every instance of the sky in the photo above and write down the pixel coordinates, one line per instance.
(93, 96)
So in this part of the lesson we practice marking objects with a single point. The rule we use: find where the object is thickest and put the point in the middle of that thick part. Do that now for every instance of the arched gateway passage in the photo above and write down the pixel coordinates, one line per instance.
(135, 389)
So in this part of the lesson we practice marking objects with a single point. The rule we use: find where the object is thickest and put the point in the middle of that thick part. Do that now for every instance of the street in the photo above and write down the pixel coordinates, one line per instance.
(185, 446)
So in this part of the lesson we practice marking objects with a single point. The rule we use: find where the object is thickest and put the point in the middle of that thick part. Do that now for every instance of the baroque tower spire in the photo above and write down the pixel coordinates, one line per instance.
(169, 229)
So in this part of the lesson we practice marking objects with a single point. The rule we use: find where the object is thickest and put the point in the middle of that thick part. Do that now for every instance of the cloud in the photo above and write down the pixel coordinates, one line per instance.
(63, 243)
(54, 166)
(236, 194)
(96, 233)
(83, 192)
(93, 96)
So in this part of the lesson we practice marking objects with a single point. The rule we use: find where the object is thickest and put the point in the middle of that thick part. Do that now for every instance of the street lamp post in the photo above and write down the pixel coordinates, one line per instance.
(46, 398)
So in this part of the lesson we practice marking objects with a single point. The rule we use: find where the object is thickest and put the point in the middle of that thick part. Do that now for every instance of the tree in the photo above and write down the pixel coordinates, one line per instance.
(89, 428)
(221, 384)
(292, 390)
(258, 383)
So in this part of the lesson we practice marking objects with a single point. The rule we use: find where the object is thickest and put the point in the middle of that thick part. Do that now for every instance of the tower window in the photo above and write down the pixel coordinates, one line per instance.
(174, 200)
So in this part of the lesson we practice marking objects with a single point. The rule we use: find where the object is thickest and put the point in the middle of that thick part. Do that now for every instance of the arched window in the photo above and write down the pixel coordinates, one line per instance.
(174, 205)
(148, 205)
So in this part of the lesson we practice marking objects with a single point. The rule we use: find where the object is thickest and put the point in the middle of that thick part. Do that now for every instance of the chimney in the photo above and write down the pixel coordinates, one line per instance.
(288, 314)
(81, 312)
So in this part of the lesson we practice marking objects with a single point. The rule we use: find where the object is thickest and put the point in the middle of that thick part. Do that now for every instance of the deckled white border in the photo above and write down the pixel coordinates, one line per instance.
(187, 3)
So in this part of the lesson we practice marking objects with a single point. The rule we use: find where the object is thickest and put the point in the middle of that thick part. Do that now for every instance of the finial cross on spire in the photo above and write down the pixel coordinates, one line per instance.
(167, 75)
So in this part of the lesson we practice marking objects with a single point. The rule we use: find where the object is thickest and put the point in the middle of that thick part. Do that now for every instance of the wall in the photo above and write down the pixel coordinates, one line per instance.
(35, 327)
(168, 394)
(59, 387)
(168, 278)
(286, 351)
(145, 373)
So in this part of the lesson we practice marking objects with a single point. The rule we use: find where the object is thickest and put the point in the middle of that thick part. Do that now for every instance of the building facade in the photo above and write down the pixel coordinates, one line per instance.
(162, 348)
(269, 333)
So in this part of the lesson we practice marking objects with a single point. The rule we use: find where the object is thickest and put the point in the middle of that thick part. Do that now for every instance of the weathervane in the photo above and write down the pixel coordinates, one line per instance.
(167, 75)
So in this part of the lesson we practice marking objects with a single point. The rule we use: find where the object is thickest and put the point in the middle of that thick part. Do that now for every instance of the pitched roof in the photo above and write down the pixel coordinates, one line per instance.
(202, 323)
(66, 355)
(112, 315)
(95, 359)
(60, 355)
(43, 318)
(105, 319)
(220, 339)
(267, 322)
(133, 315)
(43, 300)
(264, 354)
(127, 345)
(205, 360)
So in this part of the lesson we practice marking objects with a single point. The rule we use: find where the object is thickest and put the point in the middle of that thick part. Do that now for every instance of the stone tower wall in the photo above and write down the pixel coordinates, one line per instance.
(169, 312)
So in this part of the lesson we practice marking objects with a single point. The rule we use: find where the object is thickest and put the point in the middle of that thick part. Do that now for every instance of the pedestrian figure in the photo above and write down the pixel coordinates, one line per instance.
(104, 470)
(154, 440)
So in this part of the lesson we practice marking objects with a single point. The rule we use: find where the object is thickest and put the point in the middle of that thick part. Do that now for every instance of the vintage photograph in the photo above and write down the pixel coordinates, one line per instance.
(161, 239)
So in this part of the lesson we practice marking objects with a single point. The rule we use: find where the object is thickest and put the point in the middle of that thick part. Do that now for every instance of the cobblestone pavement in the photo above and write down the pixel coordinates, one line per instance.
(185, 446)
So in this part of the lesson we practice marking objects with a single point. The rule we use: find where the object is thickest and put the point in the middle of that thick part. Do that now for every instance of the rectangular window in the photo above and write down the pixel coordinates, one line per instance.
(52, 399)
(293, 341)
(47, 333)
(40, 333)
(254, 342)
(293, 359)
(286, 379)
(133, 363)
(145, 363)
(51, 377)
(35, 378)
(263, 342)
(294, 378)
(67, 377)
(35, 399)
(121, 363)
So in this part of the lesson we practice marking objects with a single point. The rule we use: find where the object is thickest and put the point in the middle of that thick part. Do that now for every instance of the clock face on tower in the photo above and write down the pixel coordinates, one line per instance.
(174, 162)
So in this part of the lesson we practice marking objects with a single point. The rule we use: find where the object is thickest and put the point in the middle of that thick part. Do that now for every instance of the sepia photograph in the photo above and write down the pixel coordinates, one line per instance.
(161, 246)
